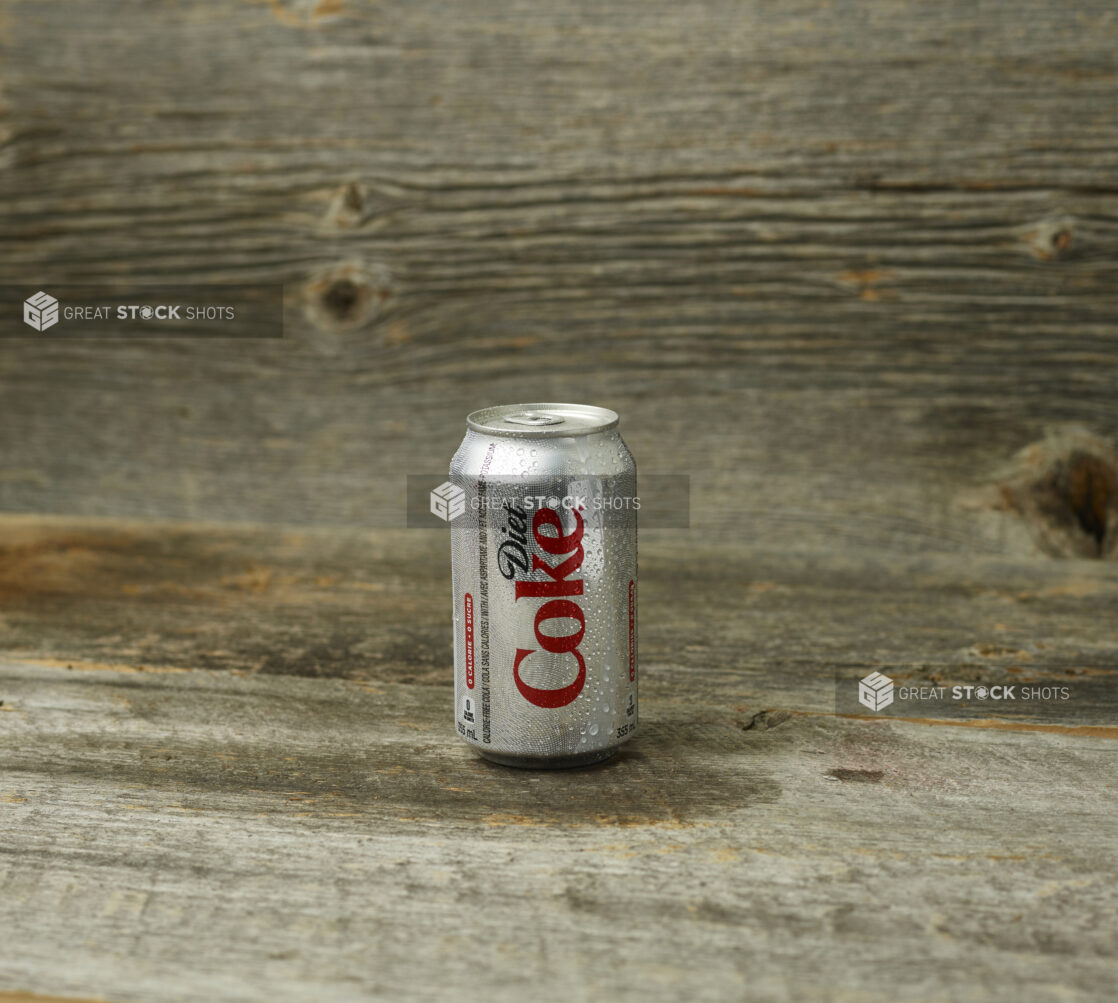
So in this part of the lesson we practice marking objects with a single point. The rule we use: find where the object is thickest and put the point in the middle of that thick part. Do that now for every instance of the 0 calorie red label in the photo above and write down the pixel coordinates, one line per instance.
(469, 619)
(632, 631)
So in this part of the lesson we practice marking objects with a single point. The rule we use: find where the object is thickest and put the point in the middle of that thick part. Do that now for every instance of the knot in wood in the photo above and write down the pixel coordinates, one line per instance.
(1051, 238)
(1066, 489)
(347, 297)
(349, 208)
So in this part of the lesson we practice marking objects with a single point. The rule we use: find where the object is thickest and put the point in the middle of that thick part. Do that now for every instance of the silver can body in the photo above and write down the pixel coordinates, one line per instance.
(544, 561)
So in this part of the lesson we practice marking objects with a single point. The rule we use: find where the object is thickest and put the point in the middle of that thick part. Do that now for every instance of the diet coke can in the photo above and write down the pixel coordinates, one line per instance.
(544, 556)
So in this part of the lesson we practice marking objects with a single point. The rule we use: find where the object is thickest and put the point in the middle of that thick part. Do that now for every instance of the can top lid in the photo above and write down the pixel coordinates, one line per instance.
(542, 421)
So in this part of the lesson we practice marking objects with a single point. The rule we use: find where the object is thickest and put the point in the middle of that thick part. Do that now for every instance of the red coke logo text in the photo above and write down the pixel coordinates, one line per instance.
(559, 588)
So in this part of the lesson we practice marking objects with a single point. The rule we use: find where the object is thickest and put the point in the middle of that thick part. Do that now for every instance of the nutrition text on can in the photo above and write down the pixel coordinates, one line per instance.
(544, 561)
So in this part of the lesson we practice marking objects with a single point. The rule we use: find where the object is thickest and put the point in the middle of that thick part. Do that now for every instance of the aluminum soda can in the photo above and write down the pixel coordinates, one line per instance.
(544, 562)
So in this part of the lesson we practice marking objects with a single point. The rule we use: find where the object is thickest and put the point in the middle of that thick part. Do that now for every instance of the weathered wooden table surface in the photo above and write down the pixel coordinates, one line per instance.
(229, 772)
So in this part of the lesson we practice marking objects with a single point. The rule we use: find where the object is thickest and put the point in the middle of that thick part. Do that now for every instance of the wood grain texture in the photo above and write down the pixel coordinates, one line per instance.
(21, 997)
(372, 606)
(227, 772)
(851, 267)
(839, 263)
(205, 836)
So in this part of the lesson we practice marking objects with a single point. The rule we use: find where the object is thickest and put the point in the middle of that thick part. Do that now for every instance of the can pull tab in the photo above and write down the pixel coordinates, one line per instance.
(533, 418)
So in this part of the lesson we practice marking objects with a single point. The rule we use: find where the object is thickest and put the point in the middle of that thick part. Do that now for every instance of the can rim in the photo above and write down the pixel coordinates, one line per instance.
(591, 419)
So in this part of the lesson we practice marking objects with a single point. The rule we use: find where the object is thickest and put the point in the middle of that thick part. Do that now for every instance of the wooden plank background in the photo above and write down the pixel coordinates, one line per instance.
(840, 262)
(852, 267)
